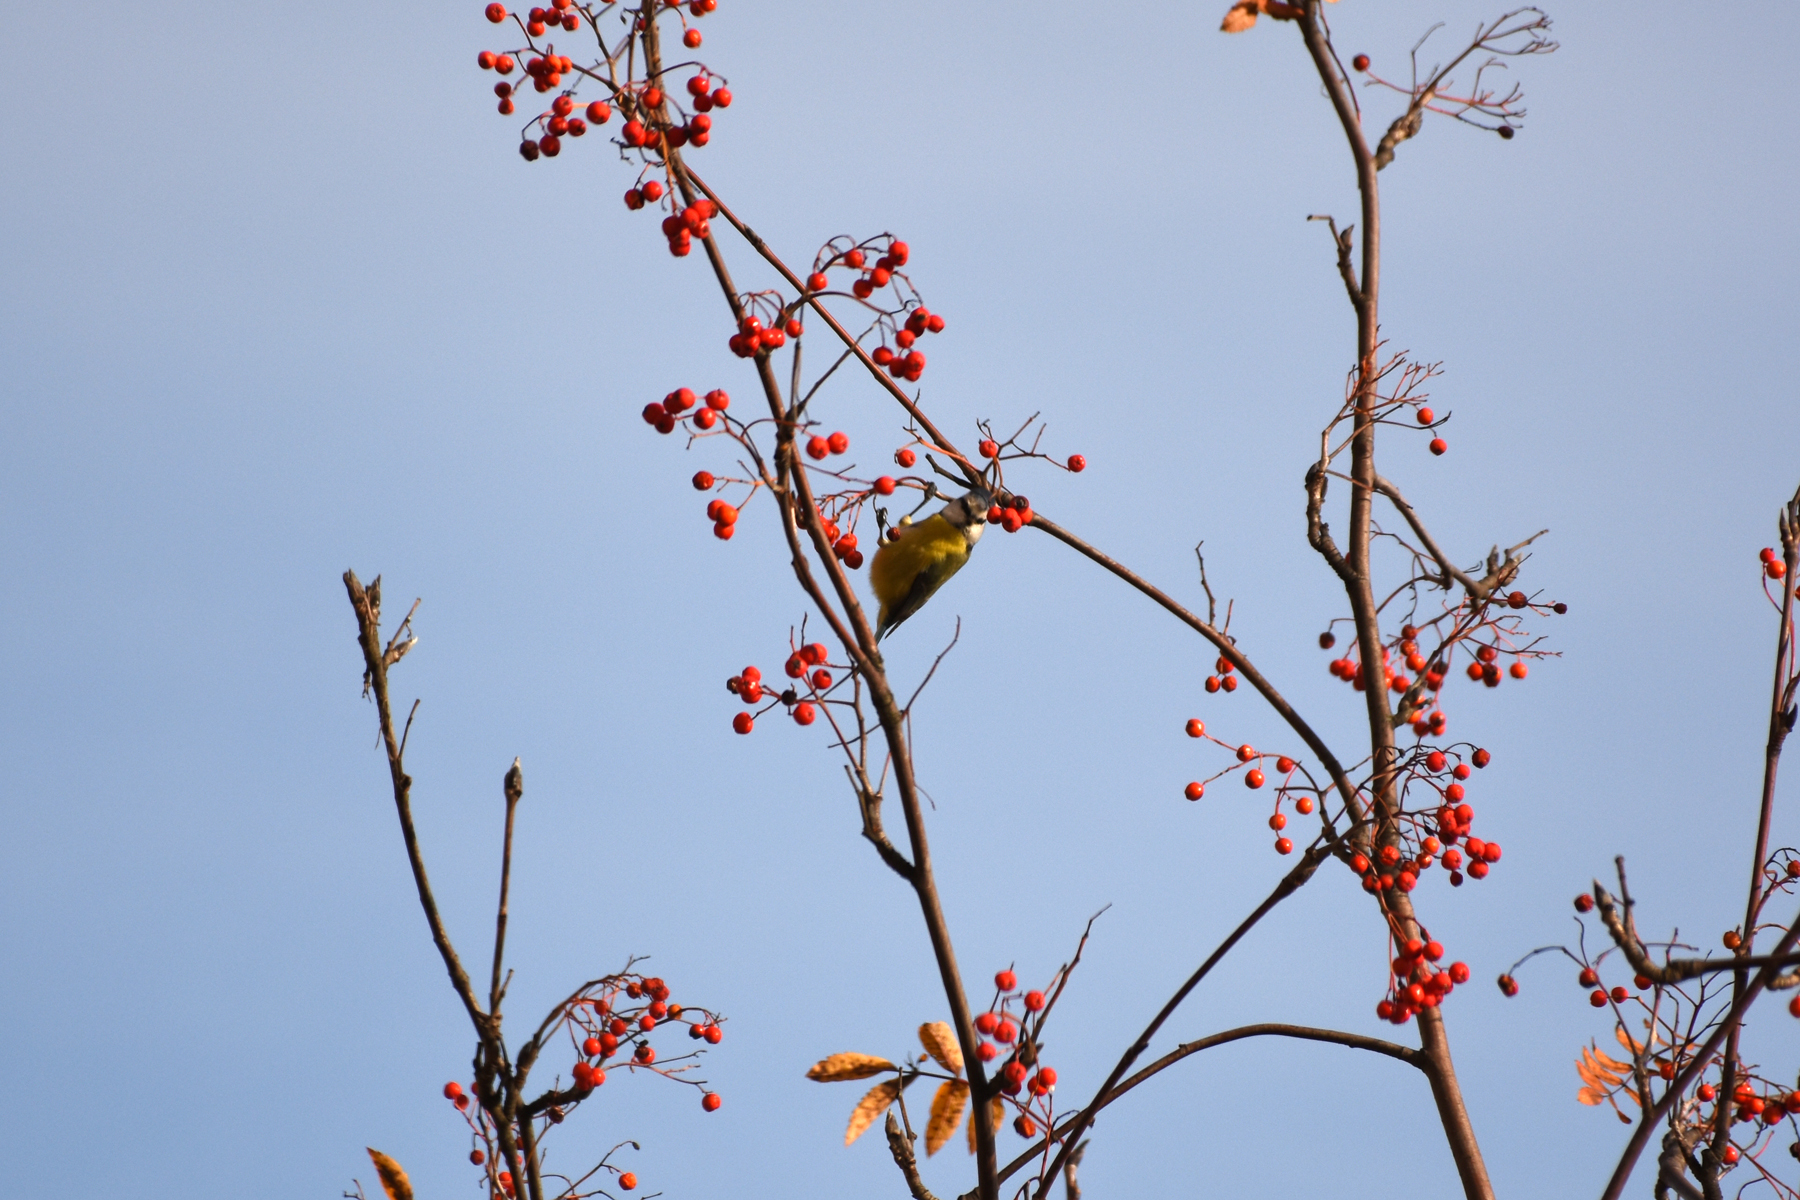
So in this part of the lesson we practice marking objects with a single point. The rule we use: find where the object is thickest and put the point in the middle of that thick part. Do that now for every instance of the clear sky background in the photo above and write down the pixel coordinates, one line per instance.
(278, 298)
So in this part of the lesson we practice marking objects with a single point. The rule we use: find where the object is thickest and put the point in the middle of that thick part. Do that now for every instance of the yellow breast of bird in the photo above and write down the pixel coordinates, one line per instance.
(930, 551)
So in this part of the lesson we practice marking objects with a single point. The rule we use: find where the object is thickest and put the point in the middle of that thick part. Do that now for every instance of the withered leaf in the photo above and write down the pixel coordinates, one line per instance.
(939, 1041)
(996, 1114)
(870, 1107)
(840, 1067)
(946, 1113)
(393, 1180)
(1241, 16)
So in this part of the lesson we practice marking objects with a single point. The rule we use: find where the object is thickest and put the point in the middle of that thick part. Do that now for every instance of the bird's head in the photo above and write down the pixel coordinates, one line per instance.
(969, 512)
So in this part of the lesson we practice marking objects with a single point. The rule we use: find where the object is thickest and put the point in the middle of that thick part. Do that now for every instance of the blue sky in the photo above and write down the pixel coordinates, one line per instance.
(279, 298)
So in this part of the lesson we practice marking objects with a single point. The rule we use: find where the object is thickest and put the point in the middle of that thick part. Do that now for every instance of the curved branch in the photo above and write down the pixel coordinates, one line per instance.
(1227, 648)
(1290, 883)
(1353, 1041)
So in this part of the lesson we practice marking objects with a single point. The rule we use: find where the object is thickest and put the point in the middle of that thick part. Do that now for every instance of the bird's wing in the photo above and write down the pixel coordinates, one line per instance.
(927, 582)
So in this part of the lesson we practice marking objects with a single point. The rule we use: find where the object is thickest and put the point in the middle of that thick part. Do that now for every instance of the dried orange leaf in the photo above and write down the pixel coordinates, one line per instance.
(840, 1067)
(393, 1179)
(870, 1107)
(1241, 17)
(946, 1113)
(1600, 1071)
(939, 1041)
(996, 1114)
(1590, 1096)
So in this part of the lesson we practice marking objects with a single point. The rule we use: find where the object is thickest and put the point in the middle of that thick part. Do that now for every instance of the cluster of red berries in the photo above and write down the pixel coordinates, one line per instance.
(1486, 667)
(752, 338)
(902, 360)
(649, 128)
(1416, 982)
(1001, 1034)
(1394, 868)
(1013, 515)
(610, 1026)
(1254, 779)
(808, 664)
(1588, 977)
(1351, 671)
(1224, 680)
(665, 416)
(1773, 567)
(679, 228)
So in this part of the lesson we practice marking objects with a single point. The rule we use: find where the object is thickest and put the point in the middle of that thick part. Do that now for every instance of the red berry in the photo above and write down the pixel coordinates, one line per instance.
(1077, 463)
(1766, 554)
(803, 713)
(1194, 791)
(1285, 765)
(1481, 758)
(710, 1102)
(1196, 727)
(627, 1181)
(599, 112)
(1360, 62)
(496, 13)
(1588, 977)
(653, 97)
(1286, 846)
(721, 98)
(452, 1090)
(817, 282)
(691, 39)
(1006, 981)
(1508, 985)
(1253, 778)
(1439, 445)
(477, 1157)
(986, 1023)
(838, 443)
(1776, 569)
(1034, 1001)
(713, 1035)
(1584, 903)
(988, 448)
(885, 485)
(743, 722)
(817, 448)
(905, 457)
(1245, 753)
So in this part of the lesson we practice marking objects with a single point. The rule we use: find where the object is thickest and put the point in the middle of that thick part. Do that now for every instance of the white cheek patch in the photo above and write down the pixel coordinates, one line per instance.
(972, 531)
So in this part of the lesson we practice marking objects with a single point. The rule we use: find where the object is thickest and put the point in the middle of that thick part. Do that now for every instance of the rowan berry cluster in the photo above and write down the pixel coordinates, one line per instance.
(655, 121)
(1304, 793)
(1772, 565)
(1023, 1079)
(1416, 981)
(611, 1018)
(808, 666)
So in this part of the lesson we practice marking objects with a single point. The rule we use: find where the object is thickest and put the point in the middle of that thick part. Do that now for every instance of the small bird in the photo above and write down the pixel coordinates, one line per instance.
(909, 569)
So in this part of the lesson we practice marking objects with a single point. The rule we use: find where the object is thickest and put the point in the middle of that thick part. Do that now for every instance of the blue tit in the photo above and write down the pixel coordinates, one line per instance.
(921, 558)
